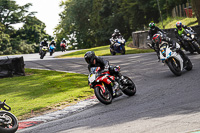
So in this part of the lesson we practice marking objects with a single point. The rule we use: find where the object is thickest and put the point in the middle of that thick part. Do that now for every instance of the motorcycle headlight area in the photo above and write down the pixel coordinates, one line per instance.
(92, 78)
(192, 36)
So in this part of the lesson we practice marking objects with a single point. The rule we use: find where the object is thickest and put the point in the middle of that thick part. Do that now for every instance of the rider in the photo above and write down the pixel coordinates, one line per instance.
(153, 30)
(43, 43)
(115, 35)
(52, 43)
(63, 41)
(158, 40)
(179, 31)
(95, 61)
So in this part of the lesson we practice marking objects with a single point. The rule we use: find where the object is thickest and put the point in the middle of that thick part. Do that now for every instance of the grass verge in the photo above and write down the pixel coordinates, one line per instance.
(103, 51)
(171, 22)
(43, 90)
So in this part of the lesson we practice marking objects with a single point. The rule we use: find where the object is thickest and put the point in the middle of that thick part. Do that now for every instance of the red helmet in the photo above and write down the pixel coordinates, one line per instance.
(157, 38)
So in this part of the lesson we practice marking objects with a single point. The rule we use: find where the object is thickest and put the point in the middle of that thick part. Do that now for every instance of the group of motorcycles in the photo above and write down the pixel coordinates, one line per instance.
(45, 49)
(173, 59)
(101, 81)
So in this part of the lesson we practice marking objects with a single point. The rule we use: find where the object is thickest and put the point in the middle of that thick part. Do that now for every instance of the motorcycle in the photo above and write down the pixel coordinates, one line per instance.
(8, 122)
(174, 59)
(52, 49)
(63, 47)
(190, 41)
(118, 46)
(101, 82)
(43, 52)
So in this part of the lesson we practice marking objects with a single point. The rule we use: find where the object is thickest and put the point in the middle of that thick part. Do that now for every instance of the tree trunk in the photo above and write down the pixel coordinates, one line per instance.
(196, 9)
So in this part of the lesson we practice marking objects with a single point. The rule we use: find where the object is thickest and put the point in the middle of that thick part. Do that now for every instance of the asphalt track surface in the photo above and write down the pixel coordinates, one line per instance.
(164, 103)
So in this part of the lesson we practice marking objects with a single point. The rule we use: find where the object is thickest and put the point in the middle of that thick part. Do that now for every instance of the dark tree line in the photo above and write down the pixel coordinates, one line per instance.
(93, 21)
(25, 39)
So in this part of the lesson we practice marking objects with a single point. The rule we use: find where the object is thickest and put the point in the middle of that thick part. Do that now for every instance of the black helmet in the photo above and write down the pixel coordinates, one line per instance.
(89, 57)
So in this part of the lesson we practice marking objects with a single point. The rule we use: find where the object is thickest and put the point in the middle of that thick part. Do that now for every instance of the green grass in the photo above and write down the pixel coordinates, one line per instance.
(171, 22)
(103, 51)
(42, 90)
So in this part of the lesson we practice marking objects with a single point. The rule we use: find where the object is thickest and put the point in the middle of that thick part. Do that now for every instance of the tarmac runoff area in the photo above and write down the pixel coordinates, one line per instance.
(80, 106)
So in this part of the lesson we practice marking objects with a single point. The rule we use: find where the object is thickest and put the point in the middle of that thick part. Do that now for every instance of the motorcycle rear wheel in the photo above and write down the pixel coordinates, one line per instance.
(102, 97)
(9, 128)
(131, 90)
(196, 46)
(189, 65)
(174, 66)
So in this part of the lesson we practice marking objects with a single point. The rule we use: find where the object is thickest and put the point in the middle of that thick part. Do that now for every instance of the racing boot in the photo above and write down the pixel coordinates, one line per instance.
(116, 91)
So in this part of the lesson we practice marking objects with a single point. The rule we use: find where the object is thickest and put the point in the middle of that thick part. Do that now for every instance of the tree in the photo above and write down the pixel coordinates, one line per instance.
(11, 13)
(195, 7)
(32, 30)
(5, 46)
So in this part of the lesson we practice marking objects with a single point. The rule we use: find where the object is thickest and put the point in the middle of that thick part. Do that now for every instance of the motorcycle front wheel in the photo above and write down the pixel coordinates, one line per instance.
(7, 117)
(42, 55)
(105, 98)
(174, 66)
(123, 51)
(112, 52)
(63, 49)
(129, 85)
(51, 53)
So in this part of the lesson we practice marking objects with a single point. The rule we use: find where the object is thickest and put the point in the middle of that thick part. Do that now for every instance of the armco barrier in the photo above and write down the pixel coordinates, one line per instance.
(10, 66)
(140, 37)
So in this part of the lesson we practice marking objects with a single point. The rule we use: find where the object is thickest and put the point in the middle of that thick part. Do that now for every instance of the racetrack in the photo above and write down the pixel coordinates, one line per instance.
(163, 102)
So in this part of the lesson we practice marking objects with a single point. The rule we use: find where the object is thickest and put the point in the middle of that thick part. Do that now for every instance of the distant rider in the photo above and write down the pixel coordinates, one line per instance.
(64, 41)
(158, 40)
(115, 35)
(95, 61)
(179, 31)
(43, 43)
(53, 43)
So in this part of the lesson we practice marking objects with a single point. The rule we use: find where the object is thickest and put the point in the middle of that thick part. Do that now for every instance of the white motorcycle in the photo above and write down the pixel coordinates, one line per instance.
(174, 60)
(118, 46)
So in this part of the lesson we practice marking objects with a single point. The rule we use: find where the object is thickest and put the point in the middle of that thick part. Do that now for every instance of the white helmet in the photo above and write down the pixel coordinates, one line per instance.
(116, 31)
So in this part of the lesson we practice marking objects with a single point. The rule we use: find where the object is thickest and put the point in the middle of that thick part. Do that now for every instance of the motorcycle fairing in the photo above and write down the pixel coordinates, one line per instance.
(101, 86)
(105, 79)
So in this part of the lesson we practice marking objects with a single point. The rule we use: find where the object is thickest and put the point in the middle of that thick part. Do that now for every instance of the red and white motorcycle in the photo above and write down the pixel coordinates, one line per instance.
(101, 82)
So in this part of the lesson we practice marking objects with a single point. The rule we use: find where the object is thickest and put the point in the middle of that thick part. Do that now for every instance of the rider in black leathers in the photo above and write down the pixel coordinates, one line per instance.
(43, 43)
(95, 61)
(153, 30)
(115, 35)
(52, 43)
